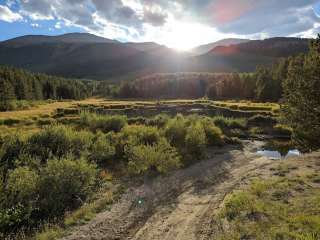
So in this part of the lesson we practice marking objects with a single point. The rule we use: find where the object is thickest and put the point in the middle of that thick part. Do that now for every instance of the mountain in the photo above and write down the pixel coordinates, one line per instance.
(65, 38)
(272, 47)
(144, 46)
(81, 55)
(202, 49)
(245, 57)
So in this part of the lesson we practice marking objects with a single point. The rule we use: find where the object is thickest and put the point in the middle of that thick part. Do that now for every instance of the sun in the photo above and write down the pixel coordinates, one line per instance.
(185, 36)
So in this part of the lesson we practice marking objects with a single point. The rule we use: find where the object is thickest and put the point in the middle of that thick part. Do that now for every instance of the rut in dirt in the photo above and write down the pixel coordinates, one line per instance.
(179, 206)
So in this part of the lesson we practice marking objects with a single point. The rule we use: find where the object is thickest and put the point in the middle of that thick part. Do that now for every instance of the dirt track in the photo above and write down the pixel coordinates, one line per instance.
(179, 206)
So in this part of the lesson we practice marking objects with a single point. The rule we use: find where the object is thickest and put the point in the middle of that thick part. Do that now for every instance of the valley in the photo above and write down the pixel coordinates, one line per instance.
(159, 120)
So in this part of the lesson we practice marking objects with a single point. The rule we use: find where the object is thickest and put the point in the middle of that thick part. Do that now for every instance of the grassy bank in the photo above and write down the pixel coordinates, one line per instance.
(281, 201)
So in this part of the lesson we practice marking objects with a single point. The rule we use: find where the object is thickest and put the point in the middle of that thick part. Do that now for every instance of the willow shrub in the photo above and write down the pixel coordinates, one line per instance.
(59, 141)
(65, 184)
(104, 123)
(160, 156)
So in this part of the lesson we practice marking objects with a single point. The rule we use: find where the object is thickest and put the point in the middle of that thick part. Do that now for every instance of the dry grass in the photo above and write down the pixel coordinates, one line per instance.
(282, 203)
(248, 105)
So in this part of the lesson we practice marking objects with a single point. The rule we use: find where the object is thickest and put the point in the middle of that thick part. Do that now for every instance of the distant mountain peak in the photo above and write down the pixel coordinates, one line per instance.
(221, 43)
(75, 37)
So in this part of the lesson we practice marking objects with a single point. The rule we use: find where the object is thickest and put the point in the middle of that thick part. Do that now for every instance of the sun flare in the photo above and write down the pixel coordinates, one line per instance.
(185, 36)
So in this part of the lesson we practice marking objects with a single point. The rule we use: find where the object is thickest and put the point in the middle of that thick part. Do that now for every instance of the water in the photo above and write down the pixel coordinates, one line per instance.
(272, 154)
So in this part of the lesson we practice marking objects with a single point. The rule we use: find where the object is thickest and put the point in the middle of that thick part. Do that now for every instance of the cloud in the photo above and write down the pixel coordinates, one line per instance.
(274, 18)
(35, 25)
(8, 16)
(255, 18)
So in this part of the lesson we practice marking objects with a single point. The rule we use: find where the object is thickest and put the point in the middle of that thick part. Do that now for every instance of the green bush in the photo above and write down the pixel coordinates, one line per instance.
(176, 130)
(13, 218)
(141, 134)
(134, 135)
(65, 184)
(19, 199)
(102, 150)
(159, 120)
(10, 151)
(282, 129)
(195, 140)
(22, 186)
(58, 141)
(103, 123)
(160, 156)
(214, 134)
(230, 123)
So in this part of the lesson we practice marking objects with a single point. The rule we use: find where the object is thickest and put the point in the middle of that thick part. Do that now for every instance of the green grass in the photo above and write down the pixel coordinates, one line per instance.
(50, 233)
(89, 211)
(285, 205)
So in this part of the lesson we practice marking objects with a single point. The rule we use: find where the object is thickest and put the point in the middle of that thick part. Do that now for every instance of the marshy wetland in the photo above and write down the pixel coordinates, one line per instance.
(128, 140)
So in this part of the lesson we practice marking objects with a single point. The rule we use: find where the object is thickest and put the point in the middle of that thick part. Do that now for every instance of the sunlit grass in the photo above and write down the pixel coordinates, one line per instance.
(283, 205)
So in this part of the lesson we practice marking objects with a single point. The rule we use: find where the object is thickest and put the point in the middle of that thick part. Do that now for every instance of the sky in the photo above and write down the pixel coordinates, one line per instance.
(180, 24)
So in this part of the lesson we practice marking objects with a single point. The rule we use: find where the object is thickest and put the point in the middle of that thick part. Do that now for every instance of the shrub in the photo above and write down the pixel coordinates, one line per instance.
(65, 184)
(135, 135)
(101, 150)
(103, 123)
(12, 218)
(160, 156)
(141, 134)
(262, 120)
(176, 130)
(10, 151)
(159, 120)
(58, 141)
(282, 129)
(213, 133)
(230, 123)
(22, 186)
(195, 140)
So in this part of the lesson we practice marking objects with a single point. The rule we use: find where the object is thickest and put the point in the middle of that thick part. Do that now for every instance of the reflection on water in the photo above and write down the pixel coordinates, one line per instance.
(277, 155)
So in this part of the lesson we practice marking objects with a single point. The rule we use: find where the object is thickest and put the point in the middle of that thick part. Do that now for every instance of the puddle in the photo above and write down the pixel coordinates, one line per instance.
(277, 155)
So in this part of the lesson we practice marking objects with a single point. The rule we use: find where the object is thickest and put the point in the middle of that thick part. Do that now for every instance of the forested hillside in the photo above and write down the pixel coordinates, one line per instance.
(265, 84)
(84, 56)
(18, 84)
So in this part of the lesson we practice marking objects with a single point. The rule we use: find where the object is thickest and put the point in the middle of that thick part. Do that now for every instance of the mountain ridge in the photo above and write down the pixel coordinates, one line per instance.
(88, 56)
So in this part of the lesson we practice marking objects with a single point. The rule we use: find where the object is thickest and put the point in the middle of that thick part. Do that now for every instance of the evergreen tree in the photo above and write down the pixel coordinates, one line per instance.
(302, 98)
(263, 84)
(6, 94)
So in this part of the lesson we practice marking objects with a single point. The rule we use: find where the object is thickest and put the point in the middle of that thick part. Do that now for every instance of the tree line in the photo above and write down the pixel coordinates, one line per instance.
(263, 85)
(18, 84)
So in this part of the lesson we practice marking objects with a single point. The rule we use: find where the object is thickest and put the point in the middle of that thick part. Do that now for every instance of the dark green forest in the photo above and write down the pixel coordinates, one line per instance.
(265, 84)
(18, 84)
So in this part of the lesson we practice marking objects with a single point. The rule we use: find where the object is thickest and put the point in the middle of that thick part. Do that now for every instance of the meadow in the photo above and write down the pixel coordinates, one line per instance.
(103, 141)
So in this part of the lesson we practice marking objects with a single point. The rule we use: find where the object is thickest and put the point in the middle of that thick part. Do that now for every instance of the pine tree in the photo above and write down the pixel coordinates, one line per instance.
(263, 84)
(6, 94)
(302, 98)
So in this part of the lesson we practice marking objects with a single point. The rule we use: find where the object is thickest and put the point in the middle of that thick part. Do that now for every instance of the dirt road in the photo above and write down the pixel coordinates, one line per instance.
(175, 207)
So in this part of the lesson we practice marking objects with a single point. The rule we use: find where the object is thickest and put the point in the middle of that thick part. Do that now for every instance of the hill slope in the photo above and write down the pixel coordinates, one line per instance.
(82, 55)
(224, 43)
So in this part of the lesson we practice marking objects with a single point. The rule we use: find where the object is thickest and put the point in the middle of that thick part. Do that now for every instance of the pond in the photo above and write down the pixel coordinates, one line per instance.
(277, 155)
(278, 149)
